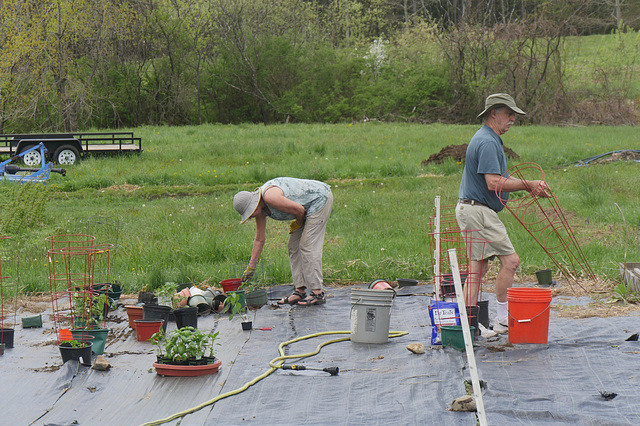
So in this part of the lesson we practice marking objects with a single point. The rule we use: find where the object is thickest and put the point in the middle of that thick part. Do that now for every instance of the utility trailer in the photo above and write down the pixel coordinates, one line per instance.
(67, 148)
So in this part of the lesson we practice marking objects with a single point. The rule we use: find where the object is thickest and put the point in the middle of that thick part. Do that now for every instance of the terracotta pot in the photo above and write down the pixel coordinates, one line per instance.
(135, 313)
(186, 370)
(380, 285)
(147, 328)
(182, 297)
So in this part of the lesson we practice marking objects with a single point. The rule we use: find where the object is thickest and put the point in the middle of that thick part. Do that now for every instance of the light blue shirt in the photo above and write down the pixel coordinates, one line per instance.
(311, 194)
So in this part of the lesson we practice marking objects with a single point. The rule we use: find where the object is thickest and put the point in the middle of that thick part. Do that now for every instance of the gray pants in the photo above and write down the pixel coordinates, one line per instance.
(305, 249)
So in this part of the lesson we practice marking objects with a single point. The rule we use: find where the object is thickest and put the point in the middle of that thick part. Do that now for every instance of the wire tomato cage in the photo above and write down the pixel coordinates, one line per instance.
(545, 221)
(77, 300)
(445, 235)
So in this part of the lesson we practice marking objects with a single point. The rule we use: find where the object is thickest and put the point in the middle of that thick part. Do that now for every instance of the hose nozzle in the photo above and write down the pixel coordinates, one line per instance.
(331, 370)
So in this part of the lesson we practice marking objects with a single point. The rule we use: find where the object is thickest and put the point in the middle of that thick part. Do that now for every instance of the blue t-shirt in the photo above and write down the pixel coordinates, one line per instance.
(485, 155)
(312, 194)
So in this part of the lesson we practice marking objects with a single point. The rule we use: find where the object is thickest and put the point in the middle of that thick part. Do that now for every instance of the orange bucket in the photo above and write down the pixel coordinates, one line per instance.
(529, 315)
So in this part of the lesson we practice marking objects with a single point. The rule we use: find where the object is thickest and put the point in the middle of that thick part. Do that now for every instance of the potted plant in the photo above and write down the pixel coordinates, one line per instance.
(184, 315)
(255, 293)
(246, 323)
(161, 310)
(185, 352)
(256, 289)
(89, 308)
(75, 350)
(234, 303)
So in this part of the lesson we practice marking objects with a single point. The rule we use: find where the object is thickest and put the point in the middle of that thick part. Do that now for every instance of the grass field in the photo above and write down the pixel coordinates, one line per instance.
(607, 64)
(169, 210)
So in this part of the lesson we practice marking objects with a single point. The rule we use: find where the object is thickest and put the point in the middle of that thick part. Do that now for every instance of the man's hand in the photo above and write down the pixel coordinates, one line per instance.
(539, 188)
(248, 274)
(293, 227)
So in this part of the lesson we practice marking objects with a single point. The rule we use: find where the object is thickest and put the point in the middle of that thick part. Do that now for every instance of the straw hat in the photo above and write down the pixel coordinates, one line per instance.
(500, 99)
(246, 203)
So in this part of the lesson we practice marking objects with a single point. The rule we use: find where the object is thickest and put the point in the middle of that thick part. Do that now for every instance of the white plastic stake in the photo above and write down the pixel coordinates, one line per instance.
(436, 252)
(466, 333)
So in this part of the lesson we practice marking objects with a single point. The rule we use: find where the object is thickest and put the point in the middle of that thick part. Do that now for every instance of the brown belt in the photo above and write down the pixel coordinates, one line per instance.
(472, 202)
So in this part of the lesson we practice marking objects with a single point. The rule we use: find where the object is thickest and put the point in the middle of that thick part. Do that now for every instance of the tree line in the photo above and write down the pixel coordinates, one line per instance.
(69, 65)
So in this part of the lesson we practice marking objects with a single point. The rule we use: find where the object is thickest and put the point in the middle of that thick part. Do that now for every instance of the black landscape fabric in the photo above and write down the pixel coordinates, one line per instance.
(586, 374)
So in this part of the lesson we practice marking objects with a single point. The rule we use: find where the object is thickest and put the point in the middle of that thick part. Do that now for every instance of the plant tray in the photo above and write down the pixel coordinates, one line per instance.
(186, 370)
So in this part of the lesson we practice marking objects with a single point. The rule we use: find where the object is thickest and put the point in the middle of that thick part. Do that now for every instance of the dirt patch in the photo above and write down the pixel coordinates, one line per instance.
(618, 156)
(124, 187)
(47, 369)
(458, 153)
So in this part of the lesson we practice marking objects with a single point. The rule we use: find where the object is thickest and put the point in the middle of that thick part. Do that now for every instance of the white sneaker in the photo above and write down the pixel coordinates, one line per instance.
(485, 332)
(500, 328)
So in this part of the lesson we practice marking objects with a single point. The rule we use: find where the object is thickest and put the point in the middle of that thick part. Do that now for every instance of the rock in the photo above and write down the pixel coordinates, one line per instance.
(416, 348)
(464, 403)
(101, 364)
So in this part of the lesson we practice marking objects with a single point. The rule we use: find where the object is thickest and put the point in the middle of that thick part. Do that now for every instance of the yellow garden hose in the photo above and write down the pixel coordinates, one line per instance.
(274, 364)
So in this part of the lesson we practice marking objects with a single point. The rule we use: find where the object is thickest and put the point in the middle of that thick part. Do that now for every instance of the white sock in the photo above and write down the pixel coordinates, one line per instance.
(503, 312)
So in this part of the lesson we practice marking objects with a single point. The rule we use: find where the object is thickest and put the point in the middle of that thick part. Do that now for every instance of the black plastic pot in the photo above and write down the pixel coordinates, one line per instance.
(156, 312)
(247, 325)
(147, 298)
(187, 316)
(82, 354)
(6, 337)
(472, 316)
(483, 313)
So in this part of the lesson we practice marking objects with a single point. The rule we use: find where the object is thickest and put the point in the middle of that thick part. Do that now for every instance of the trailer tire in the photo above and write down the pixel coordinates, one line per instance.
(33, 158)
(66, 155)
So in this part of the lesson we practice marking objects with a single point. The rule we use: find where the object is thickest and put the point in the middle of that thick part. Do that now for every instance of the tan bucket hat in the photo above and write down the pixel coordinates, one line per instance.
(500, 99)
(246, 202)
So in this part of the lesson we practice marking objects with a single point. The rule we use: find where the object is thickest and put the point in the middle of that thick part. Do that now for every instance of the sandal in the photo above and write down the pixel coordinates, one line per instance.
(287, 300)
(313, 299)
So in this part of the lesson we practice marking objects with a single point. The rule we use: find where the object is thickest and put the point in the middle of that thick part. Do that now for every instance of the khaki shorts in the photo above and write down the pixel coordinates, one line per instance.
(486, 234)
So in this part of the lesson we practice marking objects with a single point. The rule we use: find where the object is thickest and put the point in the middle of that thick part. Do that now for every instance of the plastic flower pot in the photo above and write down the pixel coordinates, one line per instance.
(256, 297)
(97, 336)
(544, 277)
(34, 321)
(380, 285)
(147, 297)
(157, 312)
(6, 337)
(115, 291)
(404, 282)
(452, 336)
(186, 370)
(147, 328)
(200, 302)
(64, 334)
(134, 312)
(182, 297)
(230, 284)
(2, 346)
(81, 354)
(186, 317)
(247, 325)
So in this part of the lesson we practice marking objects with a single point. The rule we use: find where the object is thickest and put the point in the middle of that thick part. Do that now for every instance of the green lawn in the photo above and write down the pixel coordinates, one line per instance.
(169, 210)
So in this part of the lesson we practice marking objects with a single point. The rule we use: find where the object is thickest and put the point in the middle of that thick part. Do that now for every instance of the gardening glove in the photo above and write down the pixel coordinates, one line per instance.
(248, 274)
(293, 227)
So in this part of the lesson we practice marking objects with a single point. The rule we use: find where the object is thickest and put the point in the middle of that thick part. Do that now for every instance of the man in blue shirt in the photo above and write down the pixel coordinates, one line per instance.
(485, 170)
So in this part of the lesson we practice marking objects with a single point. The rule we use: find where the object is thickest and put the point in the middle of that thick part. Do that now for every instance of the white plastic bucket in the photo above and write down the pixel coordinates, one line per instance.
(370, 314)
